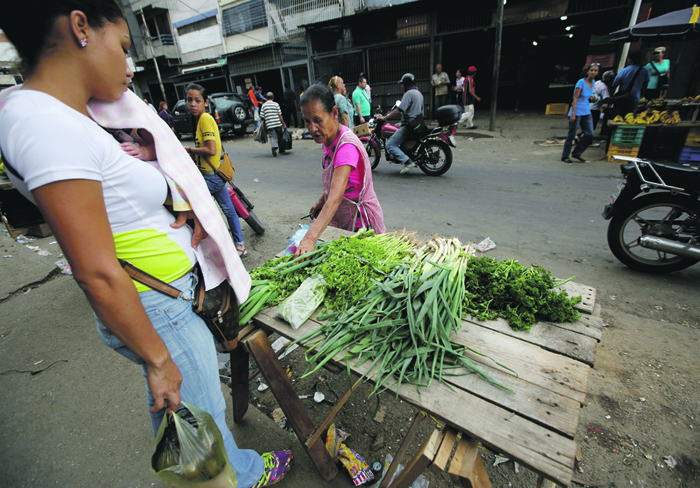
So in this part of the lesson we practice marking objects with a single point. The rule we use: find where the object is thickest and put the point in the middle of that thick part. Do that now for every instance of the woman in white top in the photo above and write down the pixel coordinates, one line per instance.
(102, 204)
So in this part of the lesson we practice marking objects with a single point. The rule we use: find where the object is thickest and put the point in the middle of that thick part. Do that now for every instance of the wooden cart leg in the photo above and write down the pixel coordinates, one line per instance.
(420, 461)
(239, 382)
(289, 401)
(402, 449)
(467, 468)
(542, 482)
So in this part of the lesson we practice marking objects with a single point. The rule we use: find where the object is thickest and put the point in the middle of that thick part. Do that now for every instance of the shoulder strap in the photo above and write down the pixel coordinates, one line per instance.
(658, 73)
(146, 279)
(634, 78)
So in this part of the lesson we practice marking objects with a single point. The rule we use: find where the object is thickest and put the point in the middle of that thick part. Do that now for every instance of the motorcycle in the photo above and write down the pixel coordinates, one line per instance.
(431, 152)
(655, 216)
(244, 208)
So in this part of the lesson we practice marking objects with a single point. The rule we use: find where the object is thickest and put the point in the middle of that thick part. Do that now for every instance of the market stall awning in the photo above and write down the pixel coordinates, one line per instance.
(670, 24)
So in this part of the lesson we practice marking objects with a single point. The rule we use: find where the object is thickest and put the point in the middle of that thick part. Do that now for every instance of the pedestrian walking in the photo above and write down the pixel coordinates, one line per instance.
(580, 115)
(340, 94)
(271, 115)
(470, 97)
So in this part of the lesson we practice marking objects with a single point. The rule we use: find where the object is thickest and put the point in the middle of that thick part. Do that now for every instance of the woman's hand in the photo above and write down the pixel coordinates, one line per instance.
(316, 209)
(572, 119)
(144, 153)
(164, 384)
(199, 232)
(306, 245)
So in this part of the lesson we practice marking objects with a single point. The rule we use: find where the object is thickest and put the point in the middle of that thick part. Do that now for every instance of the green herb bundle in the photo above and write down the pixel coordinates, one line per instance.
(521, 295)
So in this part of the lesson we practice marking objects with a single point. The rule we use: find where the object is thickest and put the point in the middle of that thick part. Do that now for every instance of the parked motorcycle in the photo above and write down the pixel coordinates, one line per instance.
(431, 152)
(244, 208)
(655, 216)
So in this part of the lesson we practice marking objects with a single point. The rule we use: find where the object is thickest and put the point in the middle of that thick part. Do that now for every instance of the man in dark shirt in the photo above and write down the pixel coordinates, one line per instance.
(289, 108)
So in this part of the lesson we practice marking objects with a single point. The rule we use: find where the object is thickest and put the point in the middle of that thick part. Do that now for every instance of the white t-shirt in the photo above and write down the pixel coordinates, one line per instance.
(46, 141)
(600, 89)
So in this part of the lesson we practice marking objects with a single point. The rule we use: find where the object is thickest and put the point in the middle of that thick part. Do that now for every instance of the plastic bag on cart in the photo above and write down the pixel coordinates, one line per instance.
(190, 451)
(295, 240)
(301, 304)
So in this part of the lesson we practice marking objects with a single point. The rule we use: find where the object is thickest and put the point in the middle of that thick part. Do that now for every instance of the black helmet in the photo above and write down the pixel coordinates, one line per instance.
(408, 79)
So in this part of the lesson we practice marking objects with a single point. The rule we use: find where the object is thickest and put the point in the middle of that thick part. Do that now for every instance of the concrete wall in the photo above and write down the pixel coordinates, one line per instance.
(257, 37)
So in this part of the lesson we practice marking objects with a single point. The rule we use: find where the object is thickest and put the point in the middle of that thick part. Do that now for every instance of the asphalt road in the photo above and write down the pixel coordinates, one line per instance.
(535, 208)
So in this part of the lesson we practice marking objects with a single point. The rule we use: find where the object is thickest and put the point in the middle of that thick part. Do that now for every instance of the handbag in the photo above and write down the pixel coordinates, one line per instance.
(218, 307)
(260, 134)
(225, 170)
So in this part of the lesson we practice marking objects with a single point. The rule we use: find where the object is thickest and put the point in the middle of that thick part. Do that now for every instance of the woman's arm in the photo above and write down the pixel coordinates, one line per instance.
(577, 92)
(344, 119)
(338, 185)
(209, 149)
(75, 211)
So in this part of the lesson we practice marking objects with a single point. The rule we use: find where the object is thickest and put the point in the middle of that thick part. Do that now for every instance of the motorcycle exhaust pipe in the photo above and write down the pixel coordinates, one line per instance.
(669, 246)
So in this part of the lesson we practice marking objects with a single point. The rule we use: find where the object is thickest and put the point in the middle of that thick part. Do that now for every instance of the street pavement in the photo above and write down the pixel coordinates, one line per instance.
(83, 422)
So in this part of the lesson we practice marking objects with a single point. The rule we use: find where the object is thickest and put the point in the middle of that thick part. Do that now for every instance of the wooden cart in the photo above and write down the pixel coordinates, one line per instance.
(534, 424)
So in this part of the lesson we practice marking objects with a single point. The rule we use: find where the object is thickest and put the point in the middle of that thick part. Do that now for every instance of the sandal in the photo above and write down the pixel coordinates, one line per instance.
(242, 253)
(567, 160)
(579, 158)
(277, 465)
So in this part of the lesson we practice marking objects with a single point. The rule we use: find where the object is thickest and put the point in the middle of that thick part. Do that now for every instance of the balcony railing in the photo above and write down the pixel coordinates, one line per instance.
(285, 17)
(163, 40)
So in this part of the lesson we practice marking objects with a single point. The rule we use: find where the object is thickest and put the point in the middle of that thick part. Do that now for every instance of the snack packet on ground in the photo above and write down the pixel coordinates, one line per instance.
(359, 470)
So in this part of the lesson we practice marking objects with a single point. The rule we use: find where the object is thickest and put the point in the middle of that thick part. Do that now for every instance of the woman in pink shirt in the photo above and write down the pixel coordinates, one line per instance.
(348, 200)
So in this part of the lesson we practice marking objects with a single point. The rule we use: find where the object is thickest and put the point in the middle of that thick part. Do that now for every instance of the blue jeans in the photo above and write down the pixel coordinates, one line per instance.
(218, 189)
(586, 122)
(392, 145)
(191, 346)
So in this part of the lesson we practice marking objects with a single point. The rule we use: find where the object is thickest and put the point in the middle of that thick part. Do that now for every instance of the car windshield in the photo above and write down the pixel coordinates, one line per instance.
(180, 107)
(226, 101)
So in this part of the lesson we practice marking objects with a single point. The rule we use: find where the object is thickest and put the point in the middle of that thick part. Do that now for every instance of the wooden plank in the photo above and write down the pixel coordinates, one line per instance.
(587, 294)
(419, 462)
(289, 401)
(462, 454)
(445, 450)
(587, 325)
(571, 344)
(336, 408)
(539, 448)
(548, 390)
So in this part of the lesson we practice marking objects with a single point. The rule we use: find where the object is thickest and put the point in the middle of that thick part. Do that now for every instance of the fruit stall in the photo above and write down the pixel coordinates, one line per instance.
(662, 130)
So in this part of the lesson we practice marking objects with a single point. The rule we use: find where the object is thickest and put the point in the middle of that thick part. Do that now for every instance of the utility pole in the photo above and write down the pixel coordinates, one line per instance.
(496, 64)
(153, 55)
(626, 46)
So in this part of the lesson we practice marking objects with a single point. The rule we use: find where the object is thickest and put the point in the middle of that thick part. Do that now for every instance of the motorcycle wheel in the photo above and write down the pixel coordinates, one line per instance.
(435, 158)
(658, 214)
(373, 154)
(254, 222)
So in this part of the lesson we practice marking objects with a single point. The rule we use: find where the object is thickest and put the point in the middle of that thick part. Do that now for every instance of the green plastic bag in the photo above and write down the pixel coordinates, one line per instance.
(301, 304)
(190, 451)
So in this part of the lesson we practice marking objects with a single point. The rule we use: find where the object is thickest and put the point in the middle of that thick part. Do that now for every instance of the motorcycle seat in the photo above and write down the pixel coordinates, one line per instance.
(686, 177)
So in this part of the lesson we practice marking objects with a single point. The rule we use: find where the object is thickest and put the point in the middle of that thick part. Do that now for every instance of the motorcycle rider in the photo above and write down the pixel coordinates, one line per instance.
(413, 125)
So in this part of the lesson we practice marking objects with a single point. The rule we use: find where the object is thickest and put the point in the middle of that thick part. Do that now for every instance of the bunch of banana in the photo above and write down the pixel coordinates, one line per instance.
(669, 118)
(629, 118)
(618, 119)
(685, 100)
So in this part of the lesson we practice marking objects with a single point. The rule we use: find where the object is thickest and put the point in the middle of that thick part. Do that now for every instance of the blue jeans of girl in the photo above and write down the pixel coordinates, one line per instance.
(191, 346)
(217, 187)
(586, 123)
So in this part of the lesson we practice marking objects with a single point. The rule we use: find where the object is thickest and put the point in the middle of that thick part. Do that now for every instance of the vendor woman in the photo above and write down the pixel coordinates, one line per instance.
(348, 200)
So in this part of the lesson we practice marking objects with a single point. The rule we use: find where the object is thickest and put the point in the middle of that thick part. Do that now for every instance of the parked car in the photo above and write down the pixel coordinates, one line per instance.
(231, 112)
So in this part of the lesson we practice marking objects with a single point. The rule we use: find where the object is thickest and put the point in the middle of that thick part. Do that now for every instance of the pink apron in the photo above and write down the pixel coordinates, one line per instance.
(367, 207)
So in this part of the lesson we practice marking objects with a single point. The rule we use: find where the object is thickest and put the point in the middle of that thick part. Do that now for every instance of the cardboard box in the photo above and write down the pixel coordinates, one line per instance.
(362, 130)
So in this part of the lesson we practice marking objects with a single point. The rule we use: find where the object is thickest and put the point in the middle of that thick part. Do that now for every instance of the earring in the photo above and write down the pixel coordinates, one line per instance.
(83, 42)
